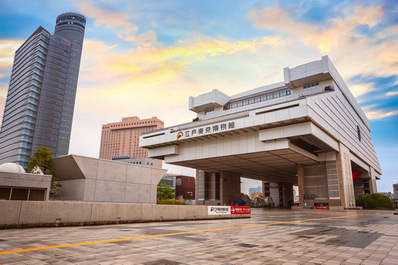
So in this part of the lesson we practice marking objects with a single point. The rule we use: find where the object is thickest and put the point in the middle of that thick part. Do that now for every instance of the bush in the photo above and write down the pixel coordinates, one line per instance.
(374, 201)
(171, 201)
(164, 192)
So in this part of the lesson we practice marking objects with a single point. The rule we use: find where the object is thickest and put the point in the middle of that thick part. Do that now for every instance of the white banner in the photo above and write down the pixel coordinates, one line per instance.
(216, 210)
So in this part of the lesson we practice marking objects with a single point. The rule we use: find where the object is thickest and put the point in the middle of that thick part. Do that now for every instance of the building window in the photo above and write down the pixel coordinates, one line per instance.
(359, 133)
(209, 111)
(311, 86)
(257, 99)
(178, 182)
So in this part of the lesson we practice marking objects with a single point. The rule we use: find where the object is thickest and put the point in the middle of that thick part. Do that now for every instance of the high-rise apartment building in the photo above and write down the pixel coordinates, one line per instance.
(121, 138)
(41, 95)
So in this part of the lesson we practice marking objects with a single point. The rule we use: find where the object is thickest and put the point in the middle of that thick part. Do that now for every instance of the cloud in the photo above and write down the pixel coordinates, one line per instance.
(145, 39)
(379, 114)
(392, 93)
(108, 18)
(2, 104)
(154, 80)
(373, 114)
(149, 65)
(352, 52)
(361, 89)
(7, 51)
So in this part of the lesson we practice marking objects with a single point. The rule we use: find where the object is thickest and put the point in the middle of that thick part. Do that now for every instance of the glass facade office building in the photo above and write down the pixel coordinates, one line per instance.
(41, 95)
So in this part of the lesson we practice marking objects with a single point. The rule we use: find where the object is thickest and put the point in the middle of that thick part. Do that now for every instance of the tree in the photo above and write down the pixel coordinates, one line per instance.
(42, 158)
(164, 192)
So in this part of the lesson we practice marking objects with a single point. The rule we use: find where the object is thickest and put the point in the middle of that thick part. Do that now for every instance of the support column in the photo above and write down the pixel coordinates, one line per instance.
(333, 179)
(346, 177)
(230, 187)
(200, 187)
(274, 193)
(372, 181)
(286, 194)
(300, 181)
(211, 195)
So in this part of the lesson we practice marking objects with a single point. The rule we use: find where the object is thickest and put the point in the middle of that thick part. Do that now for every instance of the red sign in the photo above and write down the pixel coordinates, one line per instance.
(65, 42)
(322, 207)
(240, 210)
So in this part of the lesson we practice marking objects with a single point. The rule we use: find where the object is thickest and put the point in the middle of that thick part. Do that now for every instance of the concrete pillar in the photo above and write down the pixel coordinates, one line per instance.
(286, 190)
(372, 181)
(200, 187)
(211, 180)
(300, 181)
(266, 192)
(230, 187)
(346, 170)
(274, 193)
(333, 179)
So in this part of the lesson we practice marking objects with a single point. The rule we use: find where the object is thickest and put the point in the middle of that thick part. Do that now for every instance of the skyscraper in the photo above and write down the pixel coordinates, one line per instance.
(121, 138)
(41, 95)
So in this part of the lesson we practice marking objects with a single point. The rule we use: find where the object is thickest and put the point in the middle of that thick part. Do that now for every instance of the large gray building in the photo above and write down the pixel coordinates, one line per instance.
(307, 131)
(42, 91)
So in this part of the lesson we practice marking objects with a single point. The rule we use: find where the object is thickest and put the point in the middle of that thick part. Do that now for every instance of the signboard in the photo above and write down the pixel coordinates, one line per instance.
(240, 210)
(209, 129)
(322, 207)
(217, 210)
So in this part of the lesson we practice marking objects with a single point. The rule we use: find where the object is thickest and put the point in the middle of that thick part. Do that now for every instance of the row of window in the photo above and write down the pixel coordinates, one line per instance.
(257, 99)
(134, 123)
(209, 111)
(311, 86)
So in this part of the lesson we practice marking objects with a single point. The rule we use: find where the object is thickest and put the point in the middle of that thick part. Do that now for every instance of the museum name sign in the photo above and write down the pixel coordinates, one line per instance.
(208, 129)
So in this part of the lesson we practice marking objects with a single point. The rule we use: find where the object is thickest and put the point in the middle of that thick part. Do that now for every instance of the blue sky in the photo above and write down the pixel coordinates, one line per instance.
(146, 58)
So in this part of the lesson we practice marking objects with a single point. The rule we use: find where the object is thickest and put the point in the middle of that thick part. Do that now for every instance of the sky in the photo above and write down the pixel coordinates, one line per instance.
(145, 58)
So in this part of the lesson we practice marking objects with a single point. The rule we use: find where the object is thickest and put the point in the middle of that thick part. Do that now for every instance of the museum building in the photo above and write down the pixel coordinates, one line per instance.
(307, 131)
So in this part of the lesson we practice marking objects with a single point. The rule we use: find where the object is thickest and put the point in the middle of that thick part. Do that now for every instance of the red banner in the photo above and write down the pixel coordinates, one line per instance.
(240, 210)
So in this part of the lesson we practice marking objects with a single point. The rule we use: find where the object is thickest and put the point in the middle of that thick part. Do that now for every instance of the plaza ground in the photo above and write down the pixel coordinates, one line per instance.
(268, 237)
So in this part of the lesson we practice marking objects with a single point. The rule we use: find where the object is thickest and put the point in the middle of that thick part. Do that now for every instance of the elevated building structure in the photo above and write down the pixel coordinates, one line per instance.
(307, 130)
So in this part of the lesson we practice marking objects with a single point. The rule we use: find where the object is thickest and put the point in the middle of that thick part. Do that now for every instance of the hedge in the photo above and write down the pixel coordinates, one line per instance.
(374, 201)
(171, 201)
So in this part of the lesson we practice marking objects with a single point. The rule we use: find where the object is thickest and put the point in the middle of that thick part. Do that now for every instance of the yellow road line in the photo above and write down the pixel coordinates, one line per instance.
(163, 235)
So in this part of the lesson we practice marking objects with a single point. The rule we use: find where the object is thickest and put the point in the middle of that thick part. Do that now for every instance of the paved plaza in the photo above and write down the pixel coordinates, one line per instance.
(269, 237)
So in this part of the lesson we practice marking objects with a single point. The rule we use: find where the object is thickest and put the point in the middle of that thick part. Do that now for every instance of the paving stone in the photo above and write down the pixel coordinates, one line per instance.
(367, 239)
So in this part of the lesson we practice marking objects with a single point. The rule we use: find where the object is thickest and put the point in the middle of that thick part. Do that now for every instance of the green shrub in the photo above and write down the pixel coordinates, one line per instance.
(164, 192)
(171, 201)
(374, 201)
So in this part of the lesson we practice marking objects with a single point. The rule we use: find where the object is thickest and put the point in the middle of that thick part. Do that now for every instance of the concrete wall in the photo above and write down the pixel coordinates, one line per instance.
(61, 213)
(98, 180)
(26, 180)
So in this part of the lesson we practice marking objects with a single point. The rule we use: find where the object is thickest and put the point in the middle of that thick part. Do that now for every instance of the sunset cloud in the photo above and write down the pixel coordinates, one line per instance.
(361, 89)
(116, 72)
(339, 39)
(109, 18)
(7, 51)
